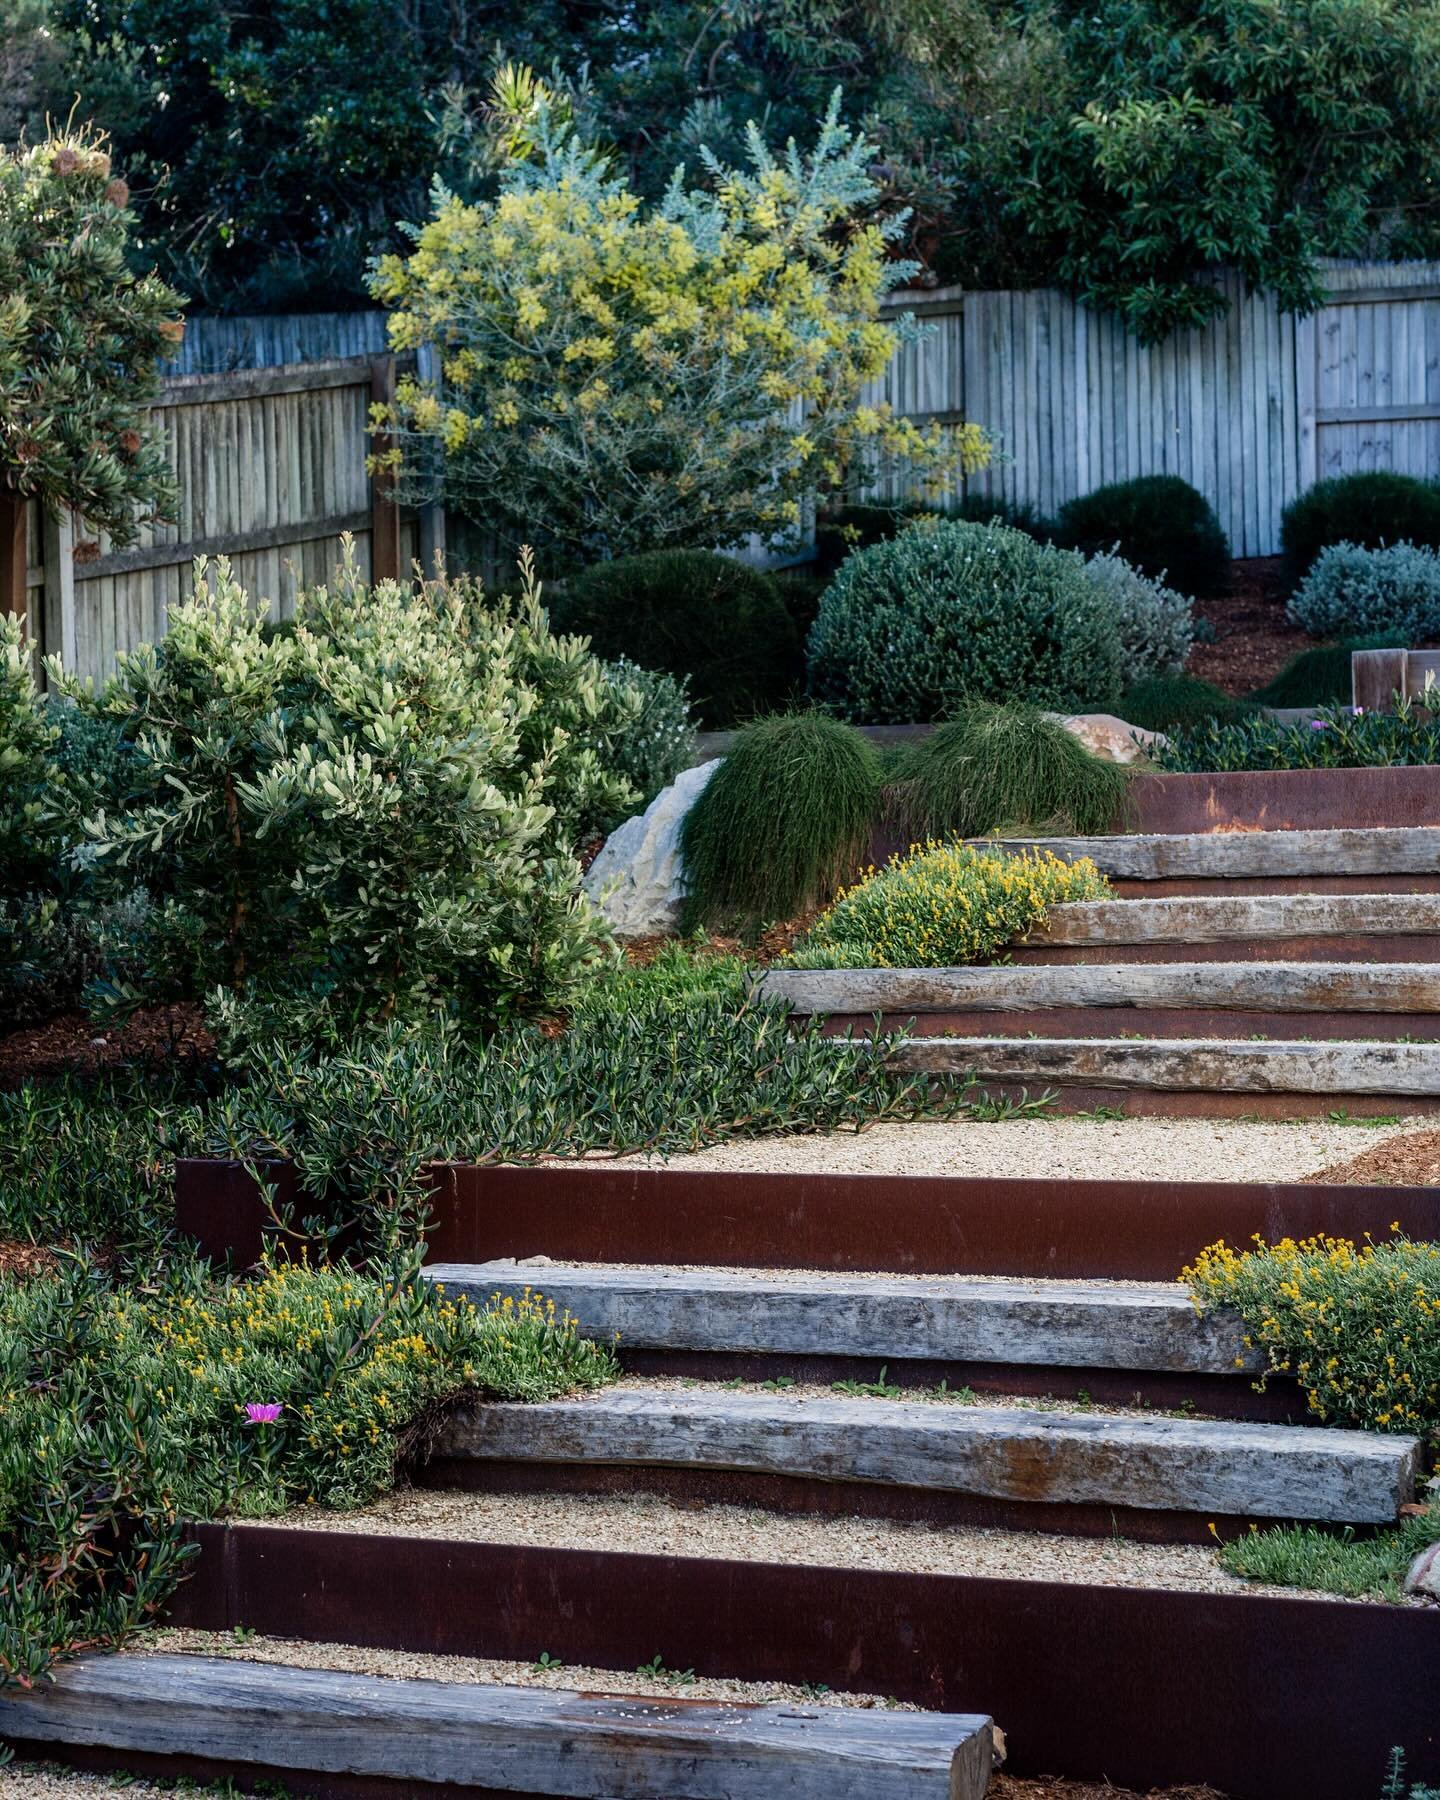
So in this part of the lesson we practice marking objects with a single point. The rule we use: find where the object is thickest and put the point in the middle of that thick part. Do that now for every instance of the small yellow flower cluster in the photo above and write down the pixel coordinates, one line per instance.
(1357, 1326)
(947, 903)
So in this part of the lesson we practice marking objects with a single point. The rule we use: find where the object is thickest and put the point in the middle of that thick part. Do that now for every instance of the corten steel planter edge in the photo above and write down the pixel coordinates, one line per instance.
(1265, 1697)
(923, 1224)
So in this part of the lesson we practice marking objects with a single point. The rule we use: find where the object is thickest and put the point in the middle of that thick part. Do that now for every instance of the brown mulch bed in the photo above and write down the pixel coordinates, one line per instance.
(21, 1261)
(1011, 1787)
(73, 1044)
(773, 943)
(1409, 1161)
(1253, 638)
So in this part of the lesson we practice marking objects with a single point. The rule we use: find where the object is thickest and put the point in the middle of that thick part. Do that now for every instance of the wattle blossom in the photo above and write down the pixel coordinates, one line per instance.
(263, 1413)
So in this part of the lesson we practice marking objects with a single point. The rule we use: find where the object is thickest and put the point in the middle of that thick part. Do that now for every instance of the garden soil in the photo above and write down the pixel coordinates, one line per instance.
(1253, 638)
(1410, 1159)
(73, 1044)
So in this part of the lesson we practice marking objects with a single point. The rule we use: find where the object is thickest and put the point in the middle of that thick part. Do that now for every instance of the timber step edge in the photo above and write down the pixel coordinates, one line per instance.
(1216, 919)
(1080, 1324)
(1242, 987)
(1339, 1069)
(1230, 855)
(1165, 1464)
(510, 1739)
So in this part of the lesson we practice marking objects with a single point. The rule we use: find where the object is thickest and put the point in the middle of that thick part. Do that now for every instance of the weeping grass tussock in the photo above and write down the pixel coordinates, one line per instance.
(782, 823)
(945, 904)
(1332, 1562)
(995, 767)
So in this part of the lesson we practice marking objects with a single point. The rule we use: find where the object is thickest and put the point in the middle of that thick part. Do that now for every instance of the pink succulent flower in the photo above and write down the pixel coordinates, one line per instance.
(263, 1413)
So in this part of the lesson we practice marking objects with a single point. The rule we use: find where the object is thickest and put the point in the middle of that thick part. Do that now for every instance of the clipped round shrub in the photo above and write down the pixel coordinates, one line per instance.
(690, 613)
(945, 904)
(996, 766)
(1159, 523)
(948, 613)
(1156, 624)
(1353, 590)
(841, 529)
(1368, 509)
(782, 822)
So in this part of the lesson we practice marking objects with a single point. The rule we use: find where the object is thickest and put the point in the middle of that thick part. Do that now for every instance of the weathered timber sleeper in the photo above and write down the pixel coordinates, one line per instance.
(512, 1739)
(1083, 1324)
(1185, 1065)
(1241, 987)
(1405, 850)
(1003, 1453)
(1218, 918)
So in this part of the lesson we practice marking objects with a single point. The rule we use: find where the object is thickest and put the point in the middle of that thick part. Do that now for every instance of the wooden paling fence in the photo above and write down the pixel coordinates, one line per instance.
(265, 421)
(1252, 409)
(271, 465)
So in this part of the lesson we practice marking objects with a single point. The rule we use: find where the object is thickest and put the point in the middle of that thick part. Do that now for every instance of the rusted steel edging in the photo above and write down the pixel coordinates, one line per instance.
(922, 1224)
(1264, 1697)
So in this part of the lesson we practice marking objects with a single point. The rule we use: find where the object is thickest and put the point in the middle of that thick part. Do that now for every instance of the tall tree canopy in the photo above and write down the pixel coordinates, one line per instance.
(1120, 147)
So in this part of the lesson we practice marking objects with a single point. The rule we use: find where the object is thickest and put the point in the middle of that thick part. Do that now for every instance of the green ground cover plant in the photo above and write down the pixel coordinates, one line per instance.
(944, 904)
(127, 1412)
(708, 619)
(1321, 677)
(1158, 523)
(1333, 740)
(951, 612)
(994, 767)
(782, 822)
(1369, 509)
(1332, 1562)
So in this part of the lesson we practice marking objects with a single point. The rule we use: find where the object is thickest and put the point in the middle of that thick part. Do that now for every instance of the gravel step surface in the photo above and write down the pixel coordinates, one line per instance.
(1075, 1149)
(651, 1525)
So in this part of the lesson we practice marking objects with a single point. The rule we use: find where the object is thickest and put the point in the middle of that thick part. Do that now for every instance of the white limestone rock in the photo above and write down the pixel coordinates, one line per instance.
(1108, 737)
(637, 880)
(1424, 1576)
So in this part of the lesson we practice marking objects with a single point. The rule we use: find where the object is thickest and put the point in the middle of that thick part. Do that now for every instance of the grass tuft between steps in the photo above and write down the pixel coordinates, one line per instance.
(1333, 1562)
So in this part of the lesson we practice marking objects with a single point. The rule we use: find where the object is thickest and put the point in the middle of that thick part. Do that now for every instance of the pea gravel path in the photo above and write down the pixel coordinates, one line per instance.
(654, 1526)
(1056, 1148)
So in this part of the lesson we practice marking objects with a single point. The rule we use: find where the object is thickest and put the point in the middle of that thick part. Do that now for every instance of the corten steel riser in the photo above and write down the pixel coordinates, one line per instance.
(1230, 1023)
(1263, 1697)
(1207, 1103)
(1211, 1396)
(1371, 947)
(939, 1225)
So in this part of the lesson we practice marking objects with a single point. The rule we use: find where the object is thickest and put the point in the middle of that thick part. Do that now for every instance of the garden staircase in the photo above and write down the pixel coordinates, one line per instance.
(940, 1454)
(1251, 972)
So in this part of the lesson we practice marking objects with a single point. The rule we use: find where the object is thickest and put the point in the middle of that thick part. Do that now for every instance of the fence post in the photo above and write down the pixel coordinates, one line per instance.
(14, 557)
(384, 512)
(61, 627)
(432, 517)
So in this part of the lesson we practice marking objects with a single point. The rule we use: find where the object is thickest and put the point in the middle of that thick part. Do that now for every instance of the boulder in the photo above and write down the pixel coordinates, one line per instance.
(1108, 737)
(1424, 1576)
(636, 881)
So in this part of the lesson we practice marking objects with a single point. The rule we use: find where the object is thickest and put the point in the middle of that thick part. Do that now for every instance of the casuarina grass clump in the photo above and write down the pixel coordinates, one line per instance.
(994, 766)
(783, 821)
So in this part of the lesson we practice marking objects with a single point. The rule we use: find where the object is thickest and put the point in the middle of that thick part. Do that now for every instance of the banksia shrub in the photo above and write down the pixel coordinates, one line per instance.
(81, 340)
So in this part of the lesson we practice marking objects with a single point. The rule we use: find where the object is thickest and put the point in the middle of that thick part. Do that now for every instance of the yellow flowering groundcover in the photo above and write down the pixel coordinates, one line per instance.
(1357, 1326)
(944, 904)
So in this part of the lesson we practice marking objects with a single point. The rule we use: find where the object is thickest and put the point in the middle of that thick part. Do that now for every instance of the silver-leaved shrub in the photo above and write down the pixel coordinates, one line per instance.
(1352, 591)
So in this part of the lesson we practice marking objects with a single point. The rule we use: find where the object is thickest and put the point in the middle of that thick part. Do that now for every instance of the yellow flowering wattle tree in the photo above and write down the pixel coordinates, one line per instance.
(617, 377)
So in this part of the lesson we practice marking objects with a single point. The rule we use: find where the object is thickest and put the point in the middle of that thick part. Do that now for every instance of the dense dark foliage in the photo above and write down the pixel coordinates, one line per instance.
(1370, 509)
(1159, 524)
(691, 613)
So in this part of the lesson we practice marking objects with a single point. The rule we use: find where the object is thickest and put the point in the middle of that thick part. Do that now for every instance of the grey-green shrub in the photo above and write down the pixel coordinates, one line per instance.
(1156, 624)
(947, 612)
(1352, 590)
(657, 743)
